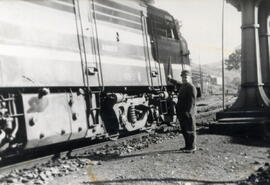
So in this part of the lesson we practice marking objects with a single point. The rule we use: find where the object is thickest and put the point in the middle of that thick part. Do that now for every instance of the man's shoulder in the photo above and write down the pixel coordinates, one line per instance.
(175, 81)
(191, 86)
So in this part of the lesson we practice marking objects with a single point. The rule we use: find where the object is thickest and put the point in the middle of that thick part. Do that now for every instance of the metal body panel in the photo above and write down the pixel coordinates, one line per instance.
(78, 116)
(120, 74)
(121, 43)
(31, 72)
(38, 44)
(49, 119)
(96, 132)
(96, 125)
(168, 49)
(87, 43)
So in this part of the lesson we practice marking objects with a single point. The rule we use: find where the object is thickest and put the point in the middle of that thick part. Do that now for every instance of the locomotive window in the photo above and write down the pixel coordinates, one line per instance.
(174, 34)
(161, 28)
(171, 30)
(164, 30)
(169, 33)
(161, 32)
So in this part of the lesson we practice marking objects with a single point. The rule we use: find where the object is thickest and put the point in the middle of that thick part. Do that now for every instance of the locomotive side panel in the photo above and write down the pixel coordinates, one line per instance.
(39, 44)
(43, 126)
(56, 118)
(122, 50)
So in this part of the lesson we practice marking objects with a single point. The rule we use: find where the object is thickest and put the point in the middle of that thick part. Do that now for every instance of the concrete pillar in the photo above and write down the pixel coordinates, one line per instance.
(264, 34)
(252, 96)
(250, 115)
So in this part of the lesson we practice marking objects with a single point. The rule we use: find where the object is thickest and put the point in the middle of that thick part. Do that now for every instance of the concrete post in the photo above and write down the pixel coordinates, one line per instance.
(250, 115)
(252, 96)
(264, 34)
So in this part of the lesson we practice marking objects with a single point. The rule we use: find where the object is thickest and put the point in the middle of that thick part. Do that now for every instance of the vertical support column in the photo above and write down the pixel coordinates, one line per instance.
(252, 96)
(264, 33)
(250, 113)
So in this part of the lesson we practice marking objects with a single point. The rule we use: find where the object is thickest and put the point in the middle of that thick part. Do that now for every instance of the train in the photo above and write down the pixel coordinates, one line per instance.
(85, 69)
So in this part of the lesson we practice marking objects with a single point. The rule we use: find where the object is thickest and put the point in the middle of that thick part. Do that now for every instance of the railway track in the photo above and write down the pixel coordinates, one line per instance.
(26, 162)
(31, 158)
(83, 150)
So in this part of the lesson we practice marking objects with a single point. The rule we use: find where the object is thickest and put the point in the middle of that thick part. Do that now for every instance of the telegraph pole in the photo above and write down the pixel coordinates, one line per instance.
(201, 76)
(222, 58)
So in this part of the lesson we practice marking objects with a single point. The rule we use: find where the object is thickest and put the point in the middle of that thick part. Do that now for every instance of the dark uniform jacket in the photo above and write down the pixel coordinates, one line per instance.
(187, 94)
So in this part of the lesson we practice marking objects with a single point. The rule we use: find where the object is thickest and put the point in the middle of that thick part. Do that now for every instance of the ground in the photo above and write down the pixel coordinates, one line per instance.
(155, 159)
(218, 160)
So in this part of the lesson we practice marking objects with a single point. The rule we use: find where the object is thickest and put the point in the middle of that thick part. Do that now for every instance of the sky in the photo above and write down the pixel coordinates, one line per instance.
(202, 28)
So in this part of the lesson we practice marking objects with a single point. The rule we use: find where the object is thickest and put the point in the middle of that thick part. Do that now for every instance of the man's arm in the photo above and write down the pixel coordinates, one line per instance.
(173, 81)
(191, 99)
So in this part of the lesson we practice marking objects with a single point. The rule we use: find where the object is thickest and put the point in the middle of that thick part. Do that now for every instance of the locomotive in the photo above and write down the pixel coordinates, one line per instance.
(85, 69)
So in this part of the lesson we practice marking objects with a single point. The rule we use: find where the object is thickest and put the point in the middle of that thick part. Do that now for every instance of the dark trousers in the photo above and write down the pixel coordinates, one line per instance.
(188, 128)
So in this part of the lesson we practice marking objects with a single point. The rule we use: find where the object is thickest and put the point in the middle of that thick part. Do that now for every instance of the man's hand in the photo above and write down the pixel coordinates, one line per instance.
(169, 77)
(187, 114)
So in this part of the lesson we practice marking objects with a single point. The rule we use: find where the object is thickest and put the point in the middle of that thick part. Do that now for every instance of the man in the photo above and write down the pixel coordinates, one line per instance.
(186, 110)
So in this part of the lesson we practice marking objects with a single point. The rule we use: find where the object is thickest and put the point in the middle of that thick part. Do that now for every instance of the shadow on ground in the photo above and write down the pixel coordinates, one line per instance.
(108, 157)
(163, 180)
(242, 138)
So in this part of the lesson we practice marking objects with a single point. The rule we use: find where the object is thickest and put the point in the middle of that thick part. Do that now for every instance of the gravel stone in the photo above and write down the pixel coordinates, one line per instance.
(11, 180)
(39, 182)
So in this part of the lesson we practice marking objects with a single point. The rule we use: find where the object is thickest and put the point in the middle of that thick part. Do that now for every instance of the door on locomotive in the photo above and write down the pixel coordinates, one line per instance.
(91, 63)
(120, 59)
(118, 45)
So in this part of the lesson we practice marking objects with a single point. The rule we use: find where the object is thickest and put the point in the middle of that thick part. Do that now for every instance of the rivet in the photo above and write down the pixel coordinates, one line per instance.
(63, 132)
(41, 136)
(70, 103)
(74, 116)
(32, 122)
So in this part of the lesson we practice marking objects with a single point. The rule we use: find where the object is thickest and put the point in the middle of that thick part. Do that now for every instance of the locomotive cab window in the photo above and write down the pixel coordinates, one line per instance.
(171, 31)
(162, 28)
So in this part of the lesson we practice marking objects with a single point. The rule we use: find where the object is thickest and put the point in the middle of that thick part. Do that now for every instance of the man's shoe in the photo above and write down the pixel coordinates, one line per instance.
(191, 150)
(183, 149)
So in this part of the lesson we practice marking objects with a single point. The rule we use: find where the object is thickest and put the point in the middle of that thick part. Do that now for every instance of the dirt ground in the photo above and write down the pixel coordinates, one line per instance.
(218, 160)
(156, 160)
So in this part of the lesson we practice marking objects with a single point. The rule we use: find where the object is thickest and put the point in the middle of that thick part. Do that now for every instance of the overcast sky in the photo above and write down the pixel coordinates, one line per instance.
(201, 21)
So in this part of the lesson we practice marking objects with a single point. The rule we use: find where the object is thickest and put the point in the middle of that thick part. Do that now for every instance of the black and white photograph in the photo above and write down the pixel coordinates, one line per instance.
(134, 92)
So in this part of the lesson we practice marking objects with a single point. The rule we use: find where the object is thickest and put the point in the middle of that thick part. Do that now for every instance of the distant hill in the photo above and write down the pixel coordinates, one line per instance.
(216, 70)
(232, 78)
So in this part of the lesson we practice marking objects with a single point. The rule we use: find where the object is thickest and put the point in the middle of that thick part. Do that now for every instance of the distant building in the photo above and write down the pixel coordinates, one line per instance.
(216, 80)
(202, 80)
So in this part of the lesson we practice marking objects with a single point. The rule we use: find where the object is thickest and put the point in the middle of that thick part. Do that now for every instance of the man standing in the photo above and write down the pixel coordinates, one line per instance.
(186, 110)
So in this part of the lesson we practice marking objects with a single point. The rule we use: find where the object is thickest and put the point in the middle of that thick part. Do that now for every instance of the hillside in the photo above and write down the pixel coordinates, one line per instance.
(232, 78)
